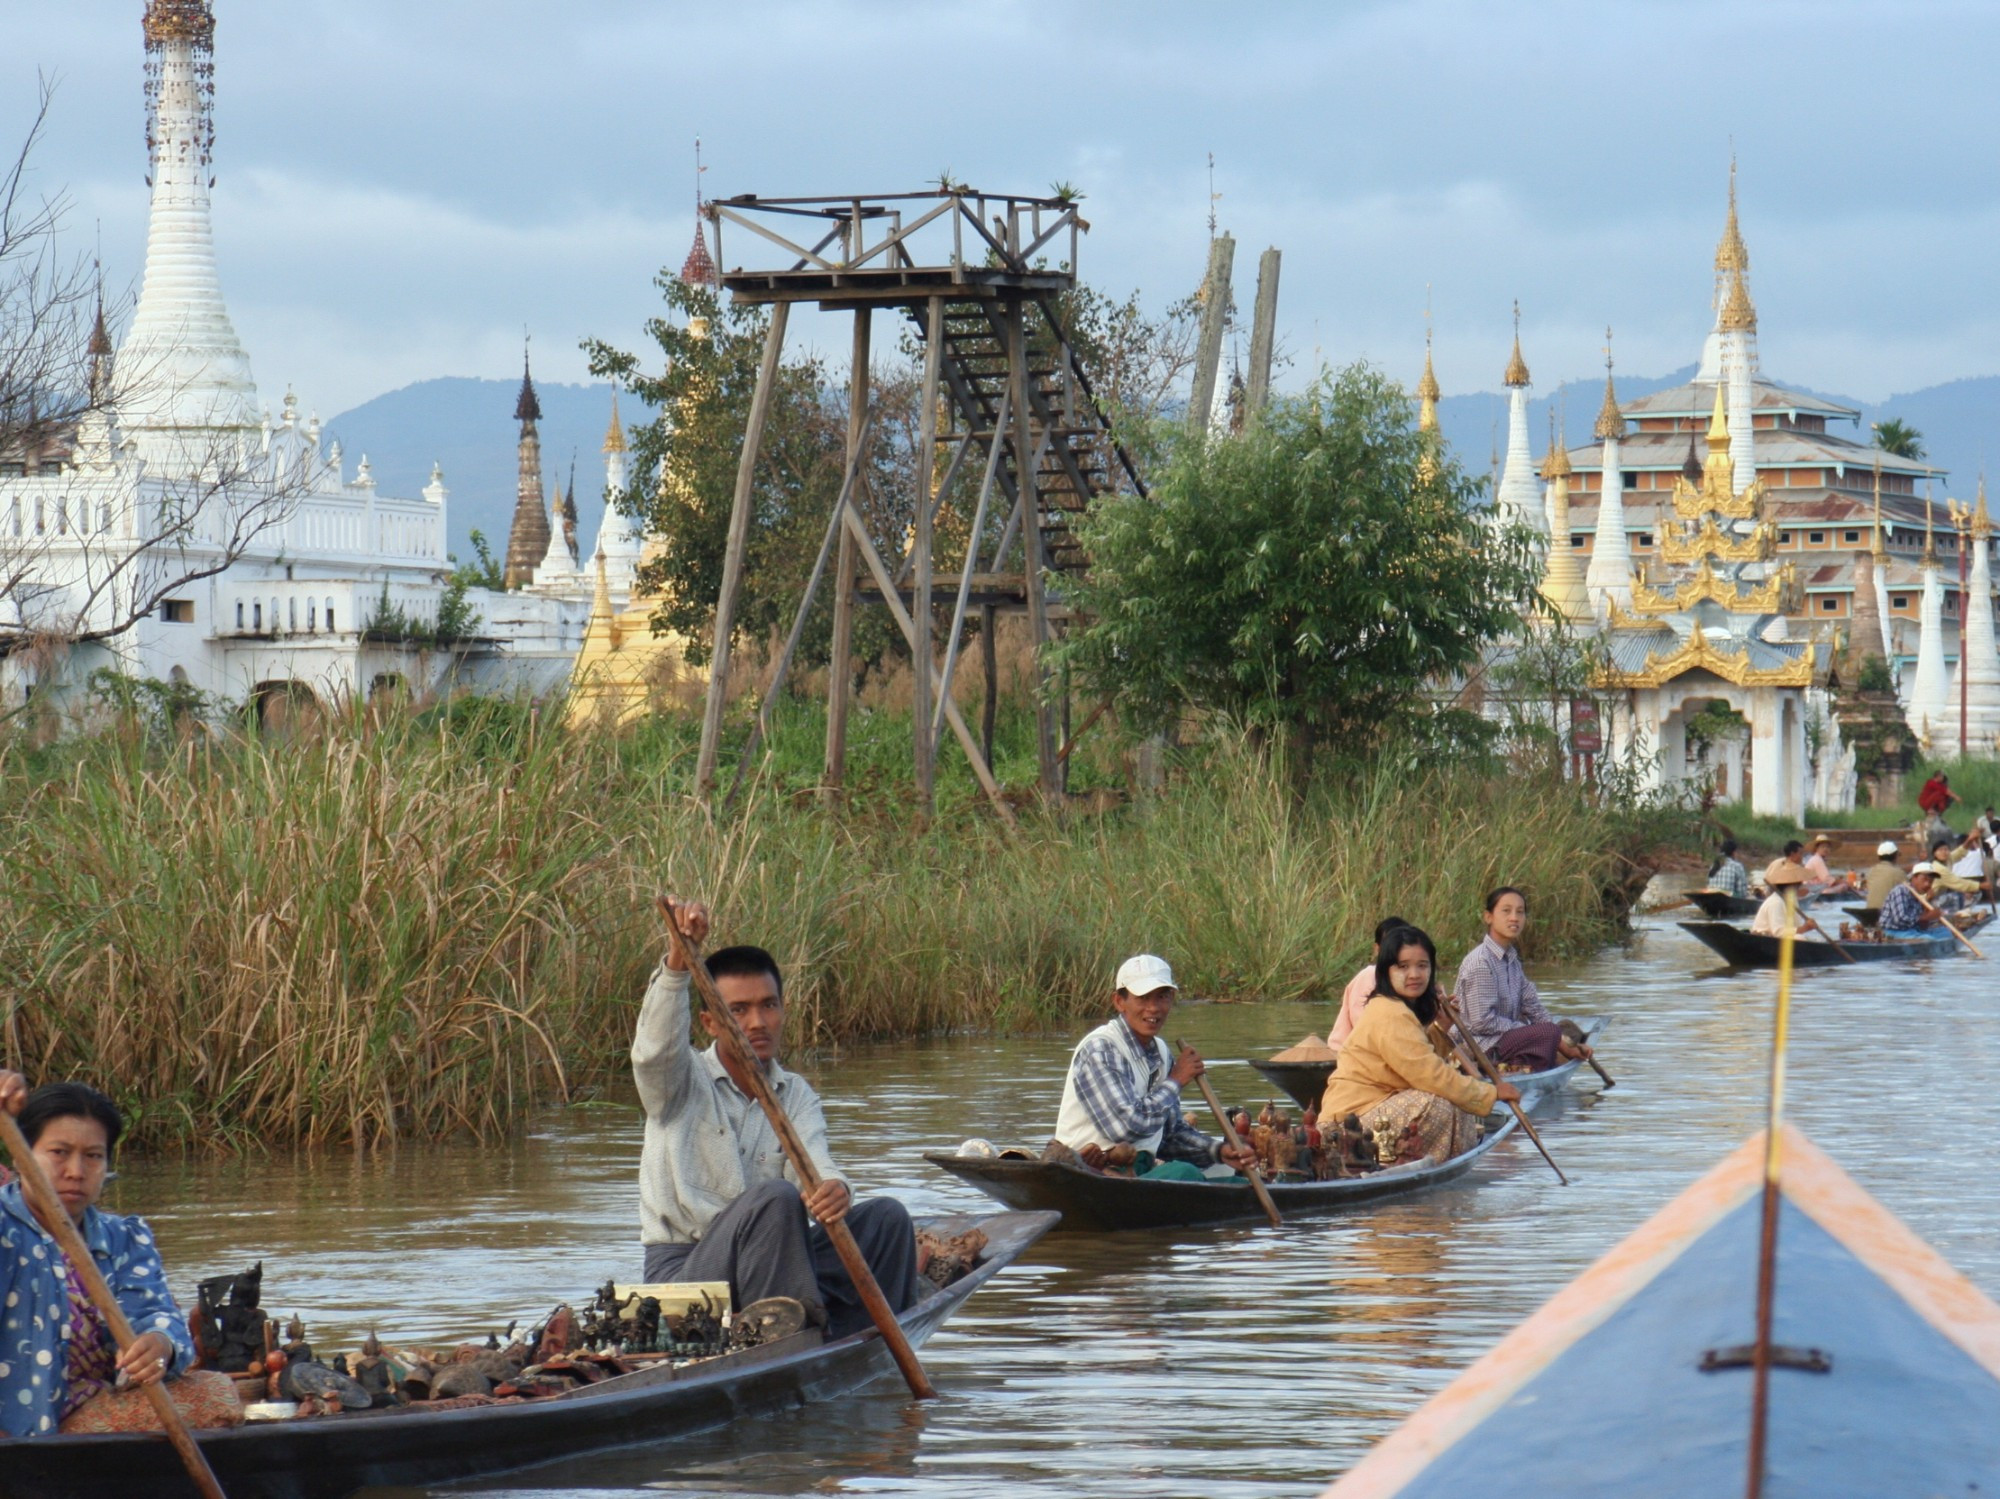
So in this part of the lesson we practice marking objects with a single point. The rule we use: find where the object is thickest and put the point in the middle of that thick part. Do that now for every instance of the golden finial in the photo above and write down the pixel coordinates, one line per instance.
(1517, 367)
(1610, 420)
(1982, 523)
(1556, 465)
(1427, 384)
(1930, 540)
(1737, 311)
(614, 438)
(1732, 254)
(1718, 422)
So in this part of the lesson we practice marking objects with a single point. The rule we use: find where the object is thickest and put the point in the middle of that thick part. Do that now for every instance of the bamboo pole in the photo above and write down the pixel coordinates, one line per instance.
(922, 731)
(1948, 926)
(48, 1209)
(1235, 1143)
(840, 655)
(1767, 1236)
(1493, 1076)
(738, 1050)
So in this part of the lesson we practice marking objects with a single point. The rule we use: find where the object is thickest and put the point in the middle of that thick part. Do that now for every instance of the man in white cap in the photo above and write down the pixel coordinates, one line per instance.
(1907, 912)
(1124, 1085)
(1885, 874)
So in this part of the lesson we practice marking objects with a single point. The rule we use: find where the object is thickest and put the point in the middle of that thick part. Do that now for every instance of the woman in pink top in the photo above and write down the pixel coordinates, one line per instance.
(1360, 988)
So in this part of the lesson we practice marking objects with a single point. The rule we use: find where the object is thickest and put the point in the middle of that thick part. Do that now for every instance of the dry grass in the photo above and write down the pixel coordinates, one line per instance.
(435, 925)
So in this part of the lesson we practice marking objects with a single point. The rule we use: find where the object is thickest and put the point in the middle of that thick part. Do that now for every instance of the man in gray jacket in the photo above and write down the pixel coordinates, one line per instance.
(717, 1198)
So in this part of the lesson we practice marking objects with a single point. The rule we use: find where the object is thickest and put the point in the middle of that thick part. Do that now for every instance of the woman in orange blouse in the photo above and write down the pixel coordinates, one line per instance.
(1393, 1070)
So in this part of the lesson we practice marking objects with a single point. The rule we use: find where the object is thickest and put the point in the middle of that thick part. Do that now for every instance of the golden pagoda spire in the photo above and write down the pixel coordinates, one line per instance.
(1732, 254)
(1427, 385)
(1930, 539)
(1517, 367)
(614, 437)
(1737, 309)
(1556, 464)
(1982, 523)
(1876, 546)
(1610, 420)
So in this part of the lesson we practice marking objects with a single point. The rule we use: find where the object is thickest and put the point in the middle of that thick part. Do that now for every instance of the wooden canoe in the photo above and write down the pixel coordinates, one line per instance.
(325, 1457)
(1632, 1380)
(1091, 1201)
(1742, 948)
(1305, 1082)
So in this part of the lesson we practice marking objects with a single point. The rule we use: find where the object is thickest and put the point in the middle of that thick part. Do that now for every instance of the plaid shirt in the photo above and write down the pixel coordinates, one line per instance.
(1120, 1111)
(1494, 996)
(1901, 911)
(1731, 878)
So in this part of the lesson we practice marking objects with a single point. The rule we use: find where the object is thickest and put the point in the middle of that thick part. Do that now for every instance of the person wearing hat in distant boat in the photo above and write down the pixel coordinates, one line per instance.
(1820, 879)
(1885, 874)
(1124, 1087)
(1905, 913)
(1770, 920)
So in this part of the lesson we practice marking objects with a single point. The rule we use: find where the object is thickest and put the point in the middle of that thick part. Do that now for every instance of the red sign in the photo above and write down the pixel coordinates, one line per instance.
(1584, 736)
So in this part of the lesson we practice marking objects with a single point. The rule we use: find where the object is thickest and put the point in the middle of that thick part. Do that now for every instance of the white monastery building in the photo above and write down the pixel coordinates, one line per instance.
(257, 560)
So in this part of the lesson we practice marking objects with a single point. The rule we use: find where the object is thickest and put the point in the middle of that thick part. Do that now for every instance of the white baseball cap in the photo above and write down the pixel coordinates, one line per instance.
(1886, 849)
(1144, 974)
(1926, 867)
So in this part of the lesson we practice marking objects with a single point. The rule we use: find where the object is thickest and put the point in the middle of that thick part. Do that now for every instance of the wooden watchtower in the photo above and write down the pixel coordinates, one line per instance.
(973, 272)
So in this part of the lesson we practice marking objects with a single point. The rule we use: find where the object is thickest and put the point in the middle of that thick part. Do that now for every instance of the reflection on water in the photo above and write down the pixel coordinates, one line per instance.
(1224, 1362)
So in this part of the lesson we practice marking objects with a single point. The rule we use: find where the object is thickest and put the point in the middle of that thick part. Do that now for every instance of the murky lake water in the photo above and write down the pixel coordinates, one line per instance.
(1212, 1362)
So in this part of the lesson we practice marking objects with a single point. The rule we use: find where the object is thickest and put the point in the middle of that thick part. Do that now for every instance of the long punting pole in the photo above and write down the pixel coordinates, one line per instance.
(1235, 1142)
(851, 1257)
(48, 1209)
(1767, 1242)
(1493, 1076)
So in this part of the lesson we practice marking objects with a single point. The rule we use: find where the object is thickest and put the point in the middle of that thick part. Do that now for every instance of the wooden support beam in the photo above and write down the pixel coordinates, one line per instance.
(924, 747)
(973, 538)
(1031, 539)
(873, 559)
(1208, 346)
(1263, 334)
(990, 658)
(761, 730)
(742, 507)
(840, 662)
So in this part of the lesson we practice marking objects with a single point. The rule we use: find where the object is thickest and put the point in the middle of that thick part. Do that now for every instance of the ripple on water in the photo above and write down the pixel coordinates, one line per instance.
(1226, 1362)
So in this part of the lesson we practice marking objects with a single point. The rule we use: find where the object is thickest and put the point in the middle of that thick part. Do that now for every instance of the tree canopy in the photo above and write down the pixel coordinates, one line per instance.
(1311, 575)
(1894, 435)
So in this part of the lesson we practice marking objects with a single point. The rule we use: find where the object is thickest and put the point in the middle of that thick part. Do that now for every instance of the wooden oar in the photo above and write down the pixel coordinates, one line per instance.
(747, 1067)
(1827, 935)
(1946, 920)
(1493, 1076)
(54, 1217)
(1235, 1143)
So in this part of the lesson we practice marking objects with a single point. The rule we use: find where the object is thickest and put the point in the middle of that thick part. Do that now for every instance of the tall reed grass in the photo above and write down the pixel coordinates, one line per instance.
(437, 924)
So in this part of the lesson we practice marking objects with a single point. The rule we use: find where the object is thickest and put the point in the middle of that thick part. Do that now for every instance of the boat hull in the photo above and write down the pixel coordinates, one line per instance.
(1090, 1201)
(328, 1457)
(1746, 949)
(1305, 1082)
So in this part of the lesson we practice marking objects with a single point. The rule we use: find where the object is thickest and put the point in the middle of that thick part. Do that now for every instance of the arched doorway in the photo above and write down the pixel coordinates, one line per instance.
(287, 707)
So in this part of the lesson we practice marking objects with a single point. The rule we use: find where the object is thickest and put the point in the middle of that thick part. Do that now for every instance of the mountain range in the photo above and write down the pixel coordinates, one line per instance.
(467, 426)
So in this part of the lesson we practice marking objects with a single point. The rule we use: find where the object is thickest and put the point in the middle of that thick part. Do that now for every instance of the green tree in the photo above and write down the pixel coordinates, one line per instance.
(1312, 576)
(484, 571)
(684, 471)
(1894, 435)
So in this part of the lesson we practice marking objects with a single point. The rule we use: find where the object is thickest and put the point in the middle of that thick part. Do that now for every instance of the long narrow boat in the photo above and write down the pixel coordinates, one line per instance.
(1633, 1380)
(325, 1457)
(1741, 948)
(1091, 1200)
(1305, 1082)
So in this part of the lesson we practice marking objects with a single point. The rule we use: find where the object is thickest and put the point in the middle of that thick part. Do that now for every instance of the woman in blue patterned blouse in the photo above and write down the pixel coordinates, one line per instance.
(55, 1351)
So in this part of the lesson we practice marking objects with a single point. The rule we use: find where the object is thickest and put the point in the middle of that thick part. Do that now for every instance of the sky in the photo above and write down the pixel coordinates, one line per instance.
(403, 188)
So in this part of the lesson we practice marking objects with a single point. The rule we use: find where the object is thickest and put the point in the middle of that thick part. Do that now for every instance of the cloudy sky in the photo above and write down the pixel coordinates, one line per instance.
(403, 186)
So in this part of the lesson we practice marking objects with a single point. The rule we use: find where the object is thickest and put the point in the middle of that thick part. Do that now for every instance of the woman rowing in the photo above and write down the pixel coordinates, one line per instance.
(1393, 1071)
(59, 1368)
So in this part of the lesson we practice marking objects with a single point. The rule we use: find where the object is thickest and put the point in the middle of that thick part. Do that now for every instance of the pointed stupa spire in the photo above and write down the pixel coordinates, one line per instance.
(1427, 391)
(614, 435)
(1517, 367)
(1609, 576)
(1562, 582)
(1731, 254)
(1738, 312)
(1519, 501)
(1610, 420)
(527, 405)
(1978, 652)
(1927, 715)
(1930, 536)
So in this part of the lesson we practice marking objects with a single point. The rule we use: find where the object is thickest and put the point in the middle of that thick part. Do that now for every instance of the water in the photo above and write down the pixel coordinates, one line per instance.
(1214, 1362)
